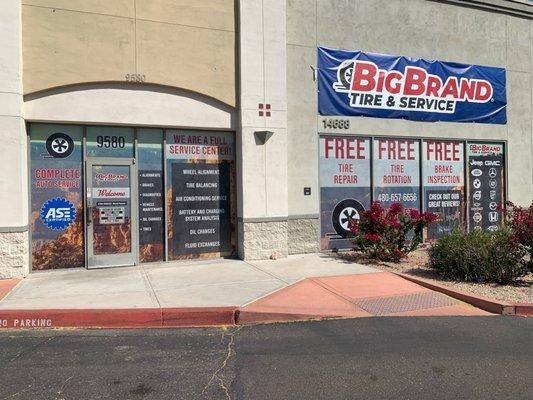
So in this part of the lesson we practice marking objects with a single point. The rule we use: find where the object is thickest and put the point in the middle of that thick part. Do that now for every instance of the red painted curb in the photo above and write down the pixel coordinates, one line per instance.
(483, 303)
(118, 318)
(258, 317)
(93, 318)
(198, 316)
(524, 309)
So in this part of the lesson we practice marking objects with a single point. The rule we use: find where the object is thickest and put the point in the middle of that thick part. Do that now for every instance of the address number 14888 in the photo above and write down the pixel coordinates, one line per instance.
(335, 123)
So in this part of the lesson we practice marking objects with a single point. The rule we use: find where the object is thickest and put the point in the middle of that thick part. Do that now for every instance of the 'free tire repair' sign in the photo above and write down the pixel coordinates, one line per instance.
(344, 186)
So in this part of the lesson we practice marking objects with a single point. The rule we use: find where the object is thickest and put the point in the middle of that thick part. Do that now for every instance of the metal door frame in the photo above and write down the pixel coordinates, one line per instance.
(110, 260)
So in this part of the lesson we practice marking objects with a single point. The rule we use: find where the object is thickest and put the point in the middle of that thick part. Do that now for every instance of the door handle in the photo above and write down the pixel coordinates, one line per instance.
(89, 214)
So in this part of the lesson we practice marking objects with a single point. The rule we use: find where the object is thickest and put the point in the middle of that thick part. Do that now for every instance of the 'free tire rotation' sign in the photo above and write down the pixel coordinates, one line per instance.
(396, 169)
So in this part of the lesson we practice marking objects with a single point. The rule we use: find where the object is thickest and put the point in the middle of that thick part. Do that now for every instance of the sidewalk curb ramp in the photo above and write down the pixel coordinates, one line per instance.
(486, 304)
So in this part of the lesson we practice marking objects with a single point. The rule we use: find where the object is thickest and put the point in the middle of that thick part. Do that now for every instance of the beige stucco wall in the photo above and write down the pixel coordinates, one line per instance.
(13, 183)
(262, 168)
(13, 161)
(187, 44)
(129, 104)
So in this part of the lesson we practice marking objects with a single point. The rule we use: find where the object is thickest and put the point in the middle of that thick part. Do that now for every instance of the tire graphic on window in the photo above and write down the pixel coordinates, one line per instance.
(59, 145)
(344, 212)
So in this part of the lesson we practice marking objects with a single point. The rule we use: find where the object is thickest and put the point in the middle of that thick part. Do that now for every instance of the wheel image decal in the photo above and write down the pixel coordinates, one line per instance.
(344, 212)
(59, 145)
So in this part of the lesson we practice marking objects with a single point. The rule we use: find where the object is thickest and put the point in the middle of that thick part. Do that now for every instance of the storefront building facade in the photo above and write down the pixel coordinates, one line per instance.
(149, 131)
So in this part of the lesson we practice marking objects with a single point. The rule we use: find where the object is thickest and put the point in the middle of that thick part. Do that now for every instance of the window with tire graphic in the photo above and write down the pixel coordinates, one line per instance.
(344, 187)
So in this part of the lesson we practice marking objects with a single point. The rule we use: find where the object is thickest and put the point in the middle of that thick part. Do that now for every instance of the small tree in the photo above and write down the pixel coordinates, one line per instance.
(383, 233)
(520, 222)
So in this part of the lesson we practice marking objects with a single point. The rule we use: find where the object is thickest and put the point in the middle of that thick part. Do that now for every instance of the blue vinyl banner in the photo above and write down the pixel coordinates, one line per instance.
(355, 83)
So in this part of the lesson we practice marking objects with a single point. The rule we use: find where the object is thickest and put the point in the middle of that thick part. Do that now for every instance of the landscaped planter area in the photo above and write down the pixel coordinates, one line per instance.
(416, 264)
(495, 264)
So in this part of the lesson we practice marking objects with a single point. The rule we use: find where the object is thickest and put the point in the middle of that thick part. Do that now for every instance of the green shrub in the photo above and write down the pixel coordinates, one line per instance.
(479, 256)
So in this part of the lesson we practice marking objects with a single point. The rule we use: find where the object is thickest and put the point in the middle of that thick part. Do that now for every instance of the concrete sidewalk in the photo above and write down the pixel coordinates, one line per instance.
(216, 292)
(211, 283)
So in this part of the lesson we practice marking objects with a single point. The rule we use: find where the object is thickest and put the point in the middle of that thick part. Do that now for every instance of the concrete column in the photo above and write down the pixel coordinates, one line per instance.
(13, 149)
(262, 167)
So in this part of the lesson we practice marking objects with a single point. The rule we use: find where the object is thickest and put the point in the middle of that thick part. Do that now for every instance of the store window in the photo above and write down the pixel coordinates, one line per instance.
(344, 187)
(200, 168)
(110, 141)
(486, 185)
(426, 174)
(190, 213)
(57, 231)
(151, 195)
(396, 172)
(444, 184)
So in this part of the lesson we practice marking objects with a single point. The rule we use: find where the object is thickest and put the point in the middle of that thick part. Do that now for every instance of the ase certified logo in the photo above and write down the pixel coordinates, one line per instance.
(58, 213)
(59, 145)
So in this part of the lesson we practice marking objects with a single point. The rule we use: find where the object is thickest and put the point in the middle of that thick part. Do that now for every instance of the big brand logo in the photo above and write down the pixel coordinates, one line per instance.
(415, 89)
(108, 176)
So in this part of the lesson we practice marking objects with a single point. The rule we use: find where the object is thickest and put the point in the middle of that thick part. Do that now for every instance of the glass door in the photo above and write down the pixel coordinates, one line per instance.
(111, 206)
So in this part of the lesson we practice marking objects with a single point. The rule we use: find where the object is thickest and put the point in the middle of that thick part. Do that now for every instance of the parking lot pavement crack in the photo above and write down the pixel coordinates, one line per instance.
(19, 393)
(217, 375)
(60, 391)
